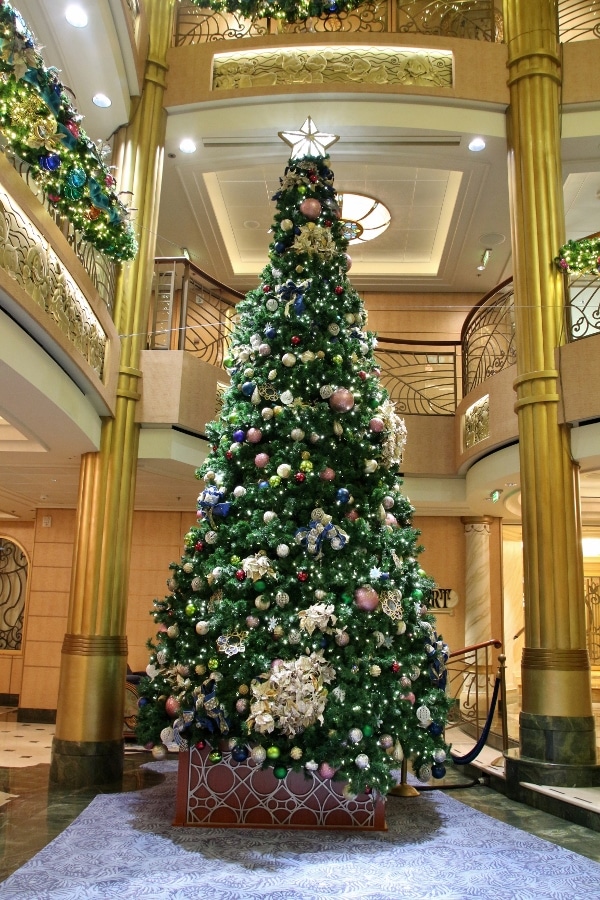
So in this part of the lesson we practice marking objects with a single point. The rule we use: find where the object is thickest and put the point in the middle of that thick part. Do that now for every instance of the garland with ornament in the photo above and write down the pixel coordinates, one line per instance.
(580, 257)
(296, 630)
(40, 126)
(288, 10)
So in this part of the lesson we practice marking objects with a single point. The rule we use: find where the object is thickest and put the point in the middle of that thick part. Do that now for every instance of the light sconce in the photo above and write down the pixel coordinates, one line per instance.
(485, 258)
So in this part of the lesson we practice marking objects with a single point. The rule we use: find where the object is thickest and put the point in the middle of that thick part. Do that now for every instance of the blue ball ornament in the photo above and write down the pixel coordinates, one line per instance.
(279, 247)
(438, 770)
(270, 332)
(240, 753)
(342, 495)
(436, 728)
(143, 701)
(248, 388)
(263, 485)
(239, 436)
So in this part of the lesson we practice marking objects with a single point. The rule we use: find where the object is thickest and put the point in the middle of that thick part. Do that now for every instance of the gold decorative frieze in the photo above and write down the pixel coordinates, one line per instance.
(340, 65)
(28, 258)
(477, 421)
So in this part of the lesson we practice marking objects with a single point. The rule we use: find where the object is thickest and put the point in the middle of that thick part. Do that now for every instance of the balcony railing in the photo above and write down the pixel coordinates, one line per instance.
(101, 270)
(479, 20)
(194, 312)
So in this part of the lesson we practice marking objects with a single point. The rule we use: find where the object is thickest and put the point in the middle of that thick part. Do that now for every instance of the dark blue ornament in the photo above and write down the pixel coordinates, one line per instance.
(240, 753)
(385, 576)
(143, 701)
(248, 388)
(270, 332)
(438, 770)
(342, 495)
(280, 247)
(51, 162)
(299, 306)
(436, 728)
(297, 229)
(239, 436)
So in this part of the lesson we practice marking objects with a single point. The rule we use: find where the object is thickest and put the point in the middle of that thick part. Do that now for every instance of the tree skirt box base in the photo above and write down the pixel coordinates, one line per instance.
(243, 795)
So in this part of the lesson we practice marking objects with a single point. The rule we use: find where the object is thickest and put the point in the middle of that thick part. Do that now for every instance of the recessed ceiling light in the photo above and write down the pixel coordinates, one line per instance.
(477, 144)
(187, 145)
(102, 101)
(76, 16)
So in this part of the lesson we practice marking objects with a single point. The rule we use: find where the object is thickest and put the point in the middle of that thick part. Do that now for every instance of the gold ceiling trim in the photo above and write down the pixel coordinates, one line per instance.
(339, 65)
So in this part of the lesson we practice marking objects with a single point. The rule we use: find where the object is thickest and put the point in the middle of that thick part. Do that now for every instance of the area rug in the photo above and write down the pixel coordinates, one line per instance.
(123, 846)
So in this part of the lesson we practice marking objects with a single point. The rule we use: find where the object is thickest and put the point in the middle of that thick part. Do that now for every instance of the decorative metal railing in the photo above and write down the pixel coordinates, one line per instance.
(488, 337)
(190, 310)
(583, 310)
(472, 674)
(592, 614)
(100, 269)
(479, 20)
(420, 379)
(13, 591)
(472, 19)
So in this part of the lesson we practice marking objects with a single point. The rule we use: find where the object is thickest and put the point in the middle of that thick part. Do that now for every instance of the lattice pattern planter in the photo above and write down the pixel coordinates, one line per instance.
(234, 795)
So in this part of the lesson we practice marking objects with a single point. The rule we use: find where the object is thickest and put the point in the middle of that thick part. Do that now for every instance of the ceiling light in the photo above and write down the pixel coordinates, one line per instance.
(364, 218)
(477, 144)
(187, 145)
(485, 258)
(76, 16)
(102, 101)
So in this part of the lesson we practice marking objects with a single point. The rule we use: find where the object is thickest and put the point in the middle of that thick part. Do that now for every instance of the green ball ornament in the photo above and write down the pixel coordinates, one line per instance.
(213, 664)
(259, 586)
(190, 609)
(273, 753)
(280, 771)
(274, 480)
(417, 594)
(302, 189)
(367, 730)
(215, 757)
(347, 598)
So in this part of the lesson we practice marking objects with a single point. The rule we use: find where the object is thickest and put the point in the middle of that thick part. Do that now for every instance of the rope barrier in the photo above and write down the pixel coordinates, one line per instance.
(476, 750)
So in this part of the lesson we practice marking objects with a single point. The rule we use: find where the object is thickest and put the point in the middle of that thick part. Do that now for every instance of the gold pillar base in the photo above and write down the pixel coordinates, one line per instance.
(77, 764)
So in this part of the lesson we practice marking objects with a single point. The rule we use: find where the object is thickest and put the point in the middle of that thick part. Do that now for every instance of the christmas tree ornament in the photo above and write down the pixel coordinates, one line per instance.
(273, 752)
(366, 597)
(362, 761)
(341, 400)
(159, 751)
(355, 735)
(258, 754)
(326, 770)
(172, 706)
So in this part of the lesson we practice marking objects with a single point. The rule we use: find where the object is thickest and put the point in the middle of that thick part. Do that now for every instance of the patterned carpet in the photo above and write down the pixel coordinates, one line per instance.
(123, 846)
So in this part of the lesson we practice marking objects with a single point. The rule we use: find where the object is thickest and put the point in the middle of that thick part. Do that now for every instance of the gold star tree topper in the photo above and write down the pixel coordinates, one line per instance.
(309, 141)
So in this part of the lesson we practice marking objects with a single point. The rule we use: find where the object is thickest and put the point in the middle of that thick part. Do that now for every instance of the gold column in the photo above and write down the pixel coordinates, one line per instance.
(88, 746)
(556, 723)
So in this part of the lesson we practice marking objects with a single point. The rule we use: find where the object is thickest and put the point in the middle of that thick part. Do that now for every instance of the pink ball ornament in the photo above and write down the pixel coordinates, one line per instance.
(311, 208)
(326, 771)
(261, 460)
(241, 705)
(254, 435)
(172, 706)
(352, 515)
(410, 697)
(348, 262)
(341, 400)
(252, 621)
(391, 520)
(327, 474)
(376, 424)
(366, 598)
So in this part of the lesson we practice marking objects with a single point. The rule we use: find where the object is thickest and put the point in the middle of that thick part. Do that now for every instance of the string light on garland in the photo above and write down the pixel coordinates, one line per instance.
(289, 10)
(40, 126)
(580, 257)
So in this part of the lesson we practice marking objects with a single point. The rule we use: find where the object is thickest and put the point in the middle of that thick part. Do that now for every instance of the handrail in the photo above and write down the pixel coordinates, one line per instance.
(492, 643)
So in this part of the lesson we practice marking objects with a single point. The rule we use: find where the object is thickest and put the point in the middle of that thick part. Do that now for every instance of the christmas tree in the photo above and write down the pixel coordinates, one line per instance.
(296, 628)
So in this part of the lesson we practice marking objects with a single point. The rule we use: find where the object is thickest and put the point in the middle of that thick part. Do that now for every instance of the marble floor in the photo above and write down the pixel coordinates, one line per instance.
(33, 811)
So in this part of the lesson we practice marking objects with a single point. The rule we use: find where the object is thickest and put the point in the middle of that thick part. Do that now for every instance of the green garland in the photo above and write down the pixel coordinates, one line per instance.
(290, 10)
(41, 127)
(581, 257)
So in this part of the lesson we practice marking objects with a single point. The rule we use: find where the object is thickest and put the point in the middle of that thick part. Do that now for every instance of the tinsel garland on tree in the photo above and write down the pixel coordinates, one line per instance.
(289, 10)
(40, 126)
(297, 628)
